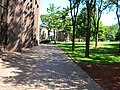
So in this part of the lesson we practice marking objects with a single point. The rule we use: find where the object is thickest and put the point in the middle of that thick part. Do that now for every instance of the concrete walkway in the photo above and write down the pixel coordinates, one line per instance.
(44, 67)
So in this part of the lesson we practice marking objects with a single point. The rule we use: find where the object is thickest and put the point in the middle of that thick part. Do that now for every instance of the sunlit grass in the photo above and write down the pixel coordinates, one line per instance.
(106, 53)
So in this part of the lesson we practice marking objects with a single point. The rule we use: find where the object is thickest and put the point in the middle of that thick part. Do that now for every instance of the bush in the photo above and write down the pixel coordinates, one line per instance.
(117, 37)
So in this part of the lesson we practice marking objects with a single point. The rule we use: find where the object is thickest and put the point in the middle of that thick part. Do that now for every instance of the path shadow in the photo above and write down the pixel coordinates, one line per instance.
(47, 66)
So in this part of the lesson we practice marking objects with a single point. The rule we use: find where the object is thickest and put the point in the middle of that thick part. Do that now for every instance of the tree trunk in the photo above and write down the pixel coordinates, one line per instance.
(88, 31)
(118, 22)
(87, 40)
(54, 37)
(96, 40)
(73, 37)
(119, 38)
(49, 34)
(68, 37)
(96, 37)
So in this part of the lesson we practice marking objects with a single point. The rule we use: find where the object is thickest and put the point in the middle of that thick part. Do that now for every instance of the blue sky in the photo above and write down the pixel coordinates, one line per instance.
(44, 4)
(107, 19)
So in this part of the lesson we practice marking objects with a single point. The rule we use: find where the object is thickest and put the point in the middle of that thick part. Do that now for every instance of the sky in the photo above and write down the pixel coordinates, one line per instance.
(107, 19)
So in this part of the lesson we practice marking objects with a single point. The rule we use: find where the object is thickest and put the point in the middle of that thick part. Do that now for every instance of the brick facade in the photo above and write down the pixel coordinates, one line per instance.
(23, 24)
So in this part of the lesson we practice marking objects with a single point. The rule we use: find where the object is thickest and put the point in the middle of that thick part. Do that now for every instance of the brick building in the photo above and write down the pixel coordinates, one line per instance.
(19, 24)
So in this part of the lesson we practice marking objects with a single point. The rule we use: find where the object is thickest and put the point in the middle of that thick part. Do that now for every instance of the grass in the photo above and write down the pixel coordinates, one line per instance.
(106, 53)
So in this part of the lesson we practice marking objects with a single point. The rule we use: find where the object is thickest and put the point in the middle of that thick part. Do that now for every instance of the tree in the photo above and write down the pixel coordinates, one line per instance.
(99, 7)
(101, 35)
(116, 3)
(52, 10)
(46, 22)
(66, 22)
(110, 32)
(117, 37)
(89, 6)
(66, 27)
(74, 6)
(118, 17)
(81, 24)
(52, 19)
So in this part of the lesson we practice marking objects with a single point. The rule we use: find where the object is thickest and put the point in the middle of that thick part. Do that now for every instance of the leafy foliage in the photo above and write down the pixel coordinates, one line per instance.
(117, 37)
(110, 32)
(84, 21)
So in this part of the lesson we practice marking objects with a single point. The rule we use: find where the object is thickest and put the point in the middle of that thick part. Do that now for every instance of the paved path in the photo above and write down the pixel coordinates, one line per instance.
(44, 67)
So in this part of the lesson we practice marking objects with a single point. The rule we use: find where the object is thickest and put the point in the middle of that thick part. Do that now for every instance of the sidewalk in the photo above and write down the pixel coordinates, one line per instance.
(44, 67)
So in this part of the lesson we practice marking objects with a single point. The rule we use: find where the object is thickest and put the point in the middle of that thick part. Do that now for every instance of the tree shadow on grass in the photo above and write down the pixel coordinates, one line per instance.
(102, 55)
(98, 58)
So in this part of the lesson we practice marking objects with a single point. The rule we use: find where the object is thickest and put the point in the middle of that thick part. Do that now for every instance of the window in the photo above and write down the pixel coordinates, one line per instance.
(3, 21)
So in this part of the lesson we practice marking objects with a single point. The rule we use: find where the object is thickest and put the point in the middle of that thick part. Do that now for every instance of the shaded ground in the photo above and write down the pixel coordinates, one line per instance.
(44, 67)
(108, 76)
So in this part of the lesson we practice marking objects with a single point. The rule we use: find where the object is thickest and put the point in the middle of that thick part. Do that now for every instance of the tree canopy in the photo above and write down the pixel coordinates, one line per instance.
(84, 22)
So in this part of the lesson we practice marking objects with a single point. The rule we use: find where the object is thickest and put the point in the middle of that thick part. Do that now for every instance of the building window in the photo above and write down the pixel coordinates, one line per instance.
(3, 21)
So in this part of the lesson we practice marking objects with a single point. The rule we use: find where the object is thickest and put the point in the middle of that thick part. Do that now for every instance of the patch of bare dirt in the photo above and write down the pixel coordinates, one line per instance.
(108, 76)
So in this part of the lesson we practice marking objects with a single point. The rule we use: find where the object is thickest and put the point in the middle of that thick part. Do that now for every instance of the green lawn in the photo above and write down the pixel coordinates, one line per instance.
(107, 53)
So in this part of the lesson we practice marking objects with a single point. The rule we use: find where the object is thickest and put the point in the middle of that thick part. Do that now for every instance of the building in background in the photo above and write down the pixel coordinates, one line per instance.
(19, 24)
(44, 34)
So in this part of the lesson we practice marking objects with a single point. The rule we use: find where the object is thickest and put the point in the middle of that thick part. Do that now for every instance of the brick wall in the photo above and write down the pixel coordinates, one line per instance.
(23, 20)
